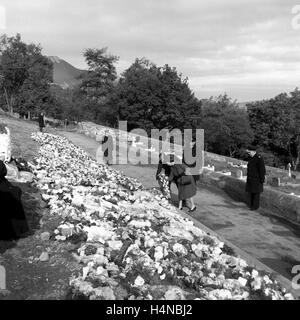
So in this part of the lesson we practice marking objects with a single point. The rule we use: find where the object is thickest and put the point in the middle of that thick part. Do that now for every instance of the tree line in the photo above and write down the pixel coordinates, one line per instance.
(148, 96)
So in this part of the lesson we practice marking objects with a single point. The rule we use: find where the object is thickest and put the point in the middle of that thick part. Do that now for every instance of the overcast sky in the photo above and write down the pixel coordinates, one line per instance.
(248, 49)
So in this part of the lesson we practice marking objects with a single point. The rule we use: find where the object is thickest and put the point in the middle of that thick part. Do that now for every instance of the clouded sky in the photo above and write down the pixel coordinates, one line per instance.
(248, 49)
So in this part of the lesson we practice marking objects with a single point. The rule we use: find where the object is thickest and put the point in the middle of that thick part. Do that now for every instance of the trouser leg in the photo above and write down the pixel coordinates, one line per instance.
(255, 200)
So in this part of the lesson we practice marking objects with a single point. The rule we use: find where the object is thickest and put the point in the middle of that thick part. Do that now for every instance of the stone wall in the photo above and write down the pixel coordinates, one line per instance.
(272, 200)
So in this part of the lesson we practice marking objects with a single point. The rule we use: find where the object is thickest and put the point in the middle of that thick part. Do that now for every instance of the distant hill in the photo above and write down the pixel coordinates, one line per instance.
(64, 74)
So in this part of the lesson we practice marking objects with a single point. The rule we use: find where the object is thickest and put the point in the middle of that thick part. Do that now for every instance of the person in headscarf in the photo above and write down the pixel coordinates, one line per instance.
(185, 182)
(107, 148)
(13, 222)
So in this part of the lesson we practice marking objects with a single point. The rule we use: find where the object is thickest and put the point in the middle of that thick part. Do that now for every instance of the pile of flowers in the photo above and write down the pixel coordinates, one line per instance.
(132, 242)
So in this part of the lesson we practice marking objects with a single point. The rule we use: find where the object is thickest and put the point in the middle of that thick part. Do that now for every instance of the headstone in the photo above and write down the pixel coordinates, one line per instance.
(289, 170)
(275, 182)
(26, 177)
(12, 172)
(5, 146)
(238, 174)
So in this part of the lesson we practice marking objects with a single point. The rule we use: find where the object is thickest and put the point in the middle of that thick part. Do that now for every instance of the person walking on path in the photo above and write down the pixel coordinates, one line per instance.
(107, 147)
(256, 172)
(186, 184)
(41, 121)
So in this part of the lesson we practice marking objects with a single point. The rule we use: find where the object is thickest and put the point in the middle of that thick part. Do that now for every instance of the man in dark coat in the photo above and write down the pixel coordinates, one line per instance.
(41, 121)
(256, 172)
(13, 222)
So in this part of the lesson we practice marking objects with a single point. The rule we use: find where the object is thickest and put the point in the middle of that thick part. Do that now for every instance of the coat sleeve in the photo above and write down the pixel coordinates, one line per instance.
(261, 170)
(171, 176)
(159, 168)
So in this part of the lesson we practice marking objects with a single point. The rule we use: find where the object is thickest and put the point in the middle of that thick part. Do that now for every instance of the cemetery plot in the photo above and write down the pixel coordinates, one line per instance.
(132, 243)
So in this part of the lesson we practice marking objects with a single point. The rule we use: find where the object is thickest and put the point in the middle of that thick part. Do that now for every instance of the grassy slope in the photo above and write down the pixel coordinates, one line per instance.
(23, 145)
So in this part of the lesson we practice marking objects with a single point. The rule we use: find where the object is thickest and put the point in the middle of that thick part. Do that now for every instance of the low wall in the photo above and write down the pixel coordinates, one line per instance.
(273, 201)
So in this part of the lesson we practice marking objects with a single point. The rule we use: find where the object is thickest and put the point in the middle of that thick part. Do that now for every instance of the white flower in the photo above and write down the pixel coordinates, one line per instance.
(256, 284)
(159, 253)
(242, 281)
(254, 273)
(139, 281)
(179, 248)
(267, 279)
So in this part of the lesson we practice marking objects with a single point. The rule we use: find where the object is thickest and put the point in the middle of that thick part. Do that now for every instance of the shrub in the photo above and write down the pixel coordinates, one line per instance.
(2, 128)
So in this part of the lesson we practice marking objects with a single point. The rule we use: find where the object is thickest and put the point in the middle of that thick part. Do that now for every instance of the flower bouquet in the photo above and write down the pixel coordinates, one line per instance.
(163, 183)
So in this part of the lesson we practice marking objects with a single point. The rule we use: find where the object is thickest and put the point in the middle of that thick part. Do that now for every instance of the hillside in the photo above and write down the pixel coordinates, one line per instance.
(65, 75)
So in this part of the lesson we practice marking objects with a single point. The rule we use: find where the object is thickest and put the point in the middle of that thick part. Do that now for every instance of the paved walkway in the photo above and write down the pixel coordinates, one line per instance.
(274, 242)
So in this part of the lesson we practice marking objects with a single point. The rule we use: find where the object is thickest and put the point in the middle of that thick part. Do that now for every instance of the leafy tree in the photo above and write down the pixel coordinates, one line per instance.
(149, 97)
(276, 125)
(226, 126)
(97, 84)
(25, 75)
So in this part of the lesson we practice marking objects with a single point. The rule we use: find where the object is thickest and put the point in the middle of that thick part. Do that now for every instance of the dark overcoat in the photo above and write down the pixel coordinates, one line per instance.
(41, 121)
(256, 172)
(13, 222)
(184, 191)
(107, 147)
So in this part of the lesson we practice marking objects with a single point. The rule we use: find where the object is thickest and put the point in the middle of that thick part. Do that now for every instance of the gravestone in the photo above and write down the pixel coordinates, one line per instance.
(5, 146)
(275, 182)
(238, 174)
(12, 172)
(26, 177)
(289, 170)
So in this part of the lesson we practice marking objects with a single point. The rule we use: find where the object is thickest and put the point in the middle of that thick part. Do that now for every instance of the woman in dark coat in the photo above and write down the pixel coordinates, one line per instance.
(107, 147)
(186, 184)
(12, 217)
(41, 121)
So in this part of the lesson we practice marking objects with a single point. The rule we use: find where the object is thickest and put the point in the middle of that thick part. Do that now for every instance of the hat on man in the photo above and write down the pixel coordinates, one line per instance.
(251, 147)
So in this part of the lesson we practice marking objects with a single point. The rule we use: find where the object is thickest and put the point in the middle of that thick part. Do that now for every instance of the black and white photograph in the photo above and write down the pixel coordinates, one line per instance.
(149, 153)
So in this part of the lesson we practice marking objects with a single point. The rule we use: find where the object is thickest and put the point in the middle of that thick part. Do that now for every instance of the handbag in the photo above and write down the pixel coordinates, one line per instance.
(185, 180)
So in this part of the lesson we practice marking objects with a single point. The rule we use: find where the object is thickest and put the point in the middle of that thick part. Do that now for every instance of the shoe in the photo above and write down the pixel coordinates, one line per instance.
(194, 209)
(180, 208)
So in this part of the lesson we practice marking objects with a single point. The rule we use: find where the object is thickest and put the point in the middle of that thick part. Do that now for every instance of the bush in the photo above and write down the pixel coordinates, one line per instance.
(2, 128)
